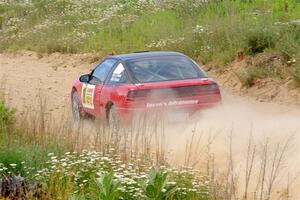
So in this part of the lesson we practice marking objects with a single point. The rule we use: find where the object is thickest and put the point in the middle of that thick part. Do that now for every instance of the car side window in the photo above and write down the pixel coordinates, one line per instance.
(102, 70)
(119, 75)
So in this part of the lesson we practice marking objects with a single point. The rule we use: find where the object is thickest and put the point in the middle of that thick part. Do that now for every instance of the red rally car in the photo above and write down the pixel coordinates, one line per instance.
(122, 85)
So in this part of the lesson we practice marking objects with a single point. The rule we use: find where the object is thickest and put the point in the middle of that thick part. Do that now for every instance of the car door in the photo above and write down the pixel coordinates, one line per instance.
(91, 91)
(116, 88)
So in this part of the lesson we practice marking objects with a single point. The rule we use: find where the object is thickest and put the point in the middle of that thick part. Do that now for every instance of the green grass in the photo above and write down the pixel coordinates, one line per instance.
(212, 31)
(21, 145)
(144, 30)
(55, 169)
(121, 26)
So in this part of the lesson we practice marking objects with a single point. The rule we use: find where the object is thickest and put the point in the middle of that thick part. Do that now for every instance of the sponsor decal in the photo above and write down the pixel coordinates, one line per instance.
(117, 74)
(87, 95)
(172, 103)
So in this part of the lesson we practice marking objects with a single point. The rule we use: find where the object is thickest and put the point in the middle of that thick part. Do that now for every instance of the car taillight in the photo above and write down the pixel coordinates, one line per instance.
(184, 91)
(201, 89)
(137, 94)
(212, 87)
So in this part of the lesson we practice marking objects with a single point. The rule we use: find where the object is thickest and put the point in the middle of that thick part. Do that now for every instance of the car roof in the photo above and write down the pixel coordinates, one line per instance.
(146, 54)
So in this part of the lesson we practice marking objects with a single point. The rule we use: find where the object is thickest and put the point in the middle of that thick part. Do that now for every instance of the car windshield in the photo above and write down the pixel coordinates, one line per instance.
(164, 69)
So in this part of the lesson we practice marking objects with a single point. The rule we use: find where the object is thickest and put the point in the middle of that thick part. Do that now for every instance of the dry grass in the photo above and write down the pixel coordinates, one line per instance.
(144, 143)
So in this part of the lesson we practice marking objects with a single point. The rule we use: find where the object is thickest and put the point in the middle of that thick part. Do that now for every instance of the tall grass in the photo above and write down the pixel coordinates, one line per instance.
(209, 31)
(80, 161)
(91, 160)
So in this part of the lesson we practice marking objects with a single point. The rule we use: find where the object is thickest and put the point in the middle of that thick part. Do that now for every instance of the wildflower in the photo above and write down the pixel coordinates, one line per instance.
(53, 157)
(172, 183)
(13, 165)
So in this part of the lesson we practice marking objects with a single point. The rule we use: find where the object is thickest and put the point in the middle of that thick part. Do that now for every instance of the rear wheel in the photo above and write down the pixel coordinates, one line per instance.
(76, 107)
(113, 119)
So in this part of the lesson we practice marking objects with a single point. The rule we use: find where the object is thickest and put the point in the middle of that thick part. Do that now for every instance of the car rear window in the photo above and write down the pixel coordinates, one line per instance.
(164, 69)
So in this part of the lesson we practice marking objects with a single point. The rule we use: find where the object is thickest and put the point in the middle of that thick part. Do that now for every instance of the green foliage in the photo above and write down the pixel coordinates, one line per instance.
(257, 42)
(13, 158)
(189, 187)
(17, 150)
(135, 36)
(7, 115)
(92, 175)
(288, 43)
(7, 120)
(157, 187)
(24, 159)
(208, 31)
(296, 76)
(86, 175)
(108, 187)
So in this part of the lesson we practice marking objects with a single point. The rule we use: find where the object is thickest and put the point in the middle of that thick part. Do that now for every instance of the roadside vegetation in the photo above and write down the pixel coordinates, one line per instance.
(208, 31)
(41, 160)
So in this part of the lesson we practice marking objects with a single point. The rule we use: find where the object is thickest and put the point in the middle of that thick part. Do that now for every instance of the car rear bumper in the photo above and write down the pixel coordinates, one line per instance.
(188, 105)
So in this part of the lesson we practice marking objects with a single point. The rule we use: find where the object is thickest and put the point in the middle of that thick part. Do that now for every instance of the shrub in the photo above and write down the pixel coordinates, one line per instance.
(265, 66)
(258, 42)
(248, 76)
(288, 45)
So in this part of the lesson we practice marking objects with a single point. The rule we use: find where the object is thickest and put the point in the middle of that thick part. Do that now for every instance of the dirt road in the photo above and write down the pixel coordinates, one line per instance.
(26, 77)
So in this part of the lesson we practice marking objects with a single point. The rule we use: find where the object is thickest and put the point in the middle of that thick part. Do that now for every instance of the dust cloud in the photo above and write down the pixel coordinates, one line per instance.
(237, 121)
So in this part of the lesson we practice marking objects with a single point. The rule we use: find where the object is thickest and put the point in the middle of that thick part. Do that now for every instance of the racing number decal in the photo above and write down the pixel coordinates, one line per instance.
(87, 94)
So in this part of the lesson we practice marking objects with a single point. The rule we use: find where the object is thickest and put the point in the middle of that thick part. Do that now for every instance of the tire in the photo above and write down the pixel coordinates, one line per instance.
(76, 107)
(113, 119)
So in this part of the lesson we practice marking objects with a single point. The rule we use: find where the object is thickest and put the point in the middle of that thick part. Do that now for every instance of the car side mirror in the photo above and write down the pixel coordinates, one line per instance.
(84, 78)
